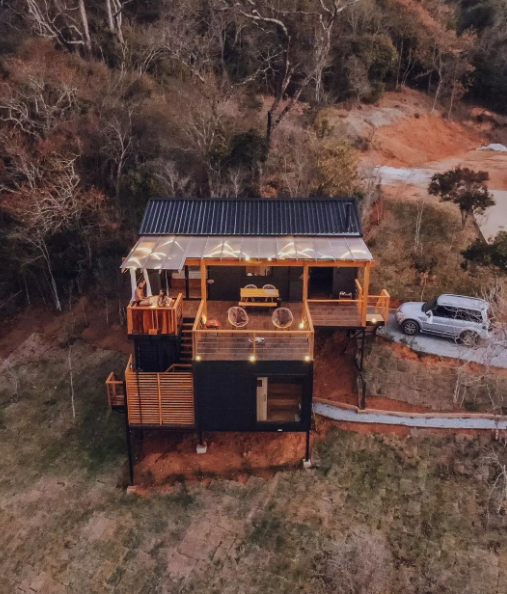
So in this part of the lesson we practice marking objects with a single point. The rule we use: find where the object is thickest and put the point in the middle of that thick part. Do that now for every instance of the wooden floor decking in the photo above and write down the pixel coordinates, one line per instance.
(335, 314)
(258, 318)
(259, 338)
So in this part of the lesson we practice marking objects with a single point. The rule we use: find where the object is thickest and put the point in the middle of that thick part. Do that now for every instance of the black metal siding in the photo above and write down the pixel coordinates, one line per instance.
(226, 394)
(254, 217)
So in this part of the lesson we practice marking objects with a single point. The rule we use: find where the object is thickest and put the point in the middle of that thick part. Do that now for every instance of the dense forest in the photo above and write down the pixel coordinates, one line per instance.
(104, 103)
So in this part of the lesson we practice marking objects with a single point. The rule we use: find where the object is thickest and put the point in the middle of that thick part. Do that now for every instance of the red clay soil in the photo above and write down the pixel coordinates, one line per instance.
(170, 457)
(334, 373)
(412, 142)
(86, 320)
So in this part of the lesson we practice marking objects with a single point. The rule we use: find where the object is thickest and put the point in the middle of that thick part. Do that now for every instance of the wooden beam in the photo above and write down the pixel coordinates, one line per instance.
(366, 288)
(306, 280)
(204, 280)
(285, 263)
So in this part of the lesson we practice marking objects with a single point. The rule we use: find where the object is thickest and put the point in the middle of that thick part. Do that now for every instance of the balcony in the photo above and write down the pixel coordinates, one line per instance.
(154, 320)
(364, 310)
(258, 341)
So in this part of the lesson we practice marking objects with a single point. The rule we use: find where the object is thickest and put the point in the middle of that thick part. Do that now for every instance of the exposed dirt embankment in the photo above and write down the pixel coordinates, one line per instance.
(416, 141)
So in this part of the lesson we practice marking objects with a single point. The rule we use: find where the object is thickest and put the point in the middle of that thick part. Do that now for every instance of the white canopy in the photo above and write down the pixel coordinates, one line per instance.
(169, 252)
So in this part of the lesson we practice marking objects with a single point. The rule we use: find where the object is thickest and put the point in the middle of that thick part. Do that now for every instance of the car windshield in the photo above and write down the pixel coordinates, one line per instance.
(429, 305)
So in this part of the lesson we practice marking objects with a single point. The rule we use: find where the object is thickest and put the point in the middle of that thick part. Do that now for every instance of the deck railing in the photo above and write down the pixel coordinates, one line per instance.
(160, 399)
(151, 319)
(379, 304)
(114, 389)
(351, 312)
(252, 345)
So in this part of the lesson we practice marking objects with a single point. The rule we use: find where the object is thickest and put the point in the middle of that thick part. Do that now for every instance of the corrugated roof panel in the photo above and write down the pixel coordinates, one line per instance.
(170, 252)
(259, 217)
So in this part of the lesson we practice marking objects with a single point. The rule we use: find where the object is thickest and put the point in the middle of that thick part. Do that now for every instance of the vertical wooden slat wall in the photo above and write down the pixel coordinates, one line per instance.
(161, 399)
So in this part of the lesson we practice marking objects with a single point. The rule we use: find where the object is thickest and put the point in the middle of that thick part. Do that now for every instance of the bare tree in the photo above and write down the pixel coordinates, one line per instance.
(65, 21)
(114, 10)
(118, 143)
(173, 182)
(293, 72)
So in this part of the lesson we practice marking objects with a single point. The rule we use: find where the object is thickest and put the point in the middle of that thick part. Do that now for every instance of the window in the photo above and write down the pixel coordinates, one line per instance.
(469, 315)
(279, 399)
(258, 270)
(445, 312)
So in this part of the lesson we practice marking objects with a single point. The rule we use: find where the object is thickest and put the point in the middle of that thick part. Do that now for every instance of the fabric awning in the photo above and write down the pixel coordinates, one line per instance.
(169, 252)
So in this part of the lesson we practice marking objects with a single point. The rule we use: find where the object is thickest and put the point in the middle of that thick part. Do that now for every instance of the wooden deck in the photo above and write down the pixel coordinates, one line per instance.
(335, 315)
(346, 313)
(259, 340)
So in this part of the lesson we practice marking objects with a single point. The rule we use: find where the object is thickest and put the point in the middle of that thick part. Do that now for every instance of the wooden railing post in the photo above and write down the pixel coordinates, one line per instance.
(305, 282)
(366, 286)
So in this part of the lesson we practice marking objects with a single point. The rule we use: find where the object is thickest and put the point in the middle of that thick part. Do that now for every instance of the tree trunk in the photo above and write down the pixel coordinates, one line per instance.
(86, 30)
(110, 19)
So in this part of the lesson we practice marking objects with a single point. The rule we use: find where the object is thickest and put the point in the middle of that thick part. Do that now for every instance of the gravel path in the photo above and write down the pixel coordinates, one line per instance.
(493, 353)
(340, 414)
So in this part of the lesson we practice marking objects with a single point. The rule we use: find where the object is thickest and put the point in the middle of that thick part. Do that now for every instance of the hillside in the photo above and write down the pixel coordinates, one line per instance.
(101, 108)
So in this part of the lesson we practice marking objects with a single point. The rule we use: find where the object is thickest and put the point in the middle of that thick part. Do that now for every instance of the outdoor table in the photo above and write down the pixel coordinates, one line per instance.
(259, 297)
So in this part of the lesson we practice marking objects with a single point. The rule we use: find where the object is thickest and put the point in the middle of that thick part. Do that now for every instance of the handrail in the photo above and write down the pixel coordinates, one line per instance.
(284, 334)
(198, 316)
(196, 326)
(111, 384)
(310, 328)
(359, 289)
(334, 300)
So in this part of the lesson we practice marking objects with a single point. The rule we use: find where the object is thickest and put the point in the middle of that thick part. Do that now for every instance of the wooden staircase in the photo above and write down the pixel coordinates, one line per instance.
(186, 341)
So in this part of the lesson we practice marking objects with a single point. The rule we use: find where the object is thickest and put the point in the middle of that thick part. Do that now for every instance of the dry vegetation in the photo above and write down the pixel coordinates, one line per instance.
(379, 514)
(104, 103)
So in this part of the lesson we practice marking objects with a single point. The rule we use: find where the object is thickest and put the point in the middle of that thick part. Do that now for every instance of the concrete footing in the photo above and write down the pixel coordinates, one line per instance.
(201, 448)
(307, 464)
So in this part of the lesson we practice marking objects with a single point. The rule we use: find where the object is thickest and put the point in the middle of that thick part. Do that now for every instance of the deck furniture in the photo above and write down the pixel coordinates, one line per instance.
(259, 297)
(251, 286)
(213, 324)
(237, 317)
(282, 318)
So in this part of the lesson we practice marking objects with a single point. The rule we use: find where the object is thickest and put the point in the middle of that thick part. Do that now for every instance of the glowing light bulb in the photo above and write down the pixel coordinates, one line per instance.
(307, 358)
(252, 358)
(198, 357)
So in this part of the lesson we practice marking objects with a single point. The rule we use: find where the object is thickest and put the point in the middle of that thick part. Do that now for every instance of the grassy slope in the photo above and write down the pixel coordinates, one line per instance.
(379, 515)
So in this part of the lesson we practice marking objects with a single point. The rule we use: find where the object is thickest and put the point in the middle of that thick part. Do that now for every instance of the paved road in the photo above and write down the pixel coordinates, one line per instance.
(493, 353)
(340, 414)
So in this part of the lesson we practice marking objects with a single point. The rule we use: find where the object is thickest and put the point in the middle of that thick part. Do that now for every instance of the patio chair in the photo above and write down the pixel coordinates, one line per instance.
(251, 286)
(268, 287)
(237, 317)
(282, 318)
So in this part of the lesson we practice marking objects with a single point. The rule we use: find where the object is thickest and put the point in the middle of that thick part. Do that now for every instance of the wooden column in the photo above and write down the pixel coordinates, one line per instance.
(204, 286)
(305, 282)
(366, 287)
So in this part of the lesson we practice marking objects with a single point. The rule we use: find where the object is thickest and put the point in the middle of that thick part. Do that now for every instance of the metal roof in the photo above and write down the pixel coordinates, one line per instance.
(169, 252)
(258, 217)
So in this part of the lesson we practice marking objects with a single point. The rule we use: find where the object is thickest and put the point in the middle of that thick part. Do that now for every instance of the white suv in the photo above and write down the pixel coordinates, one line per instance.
(461, 318)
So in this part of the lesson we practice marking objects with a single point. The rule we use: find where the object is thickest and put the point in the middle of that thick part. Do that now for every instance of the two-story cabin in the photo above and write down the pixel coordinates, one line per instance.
(263, 274)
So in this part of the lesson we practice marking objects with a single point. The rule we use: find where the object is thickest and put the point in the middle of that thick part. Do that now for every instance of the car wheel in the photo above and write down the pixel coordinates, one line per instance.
(410, 327)
(469, 338)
